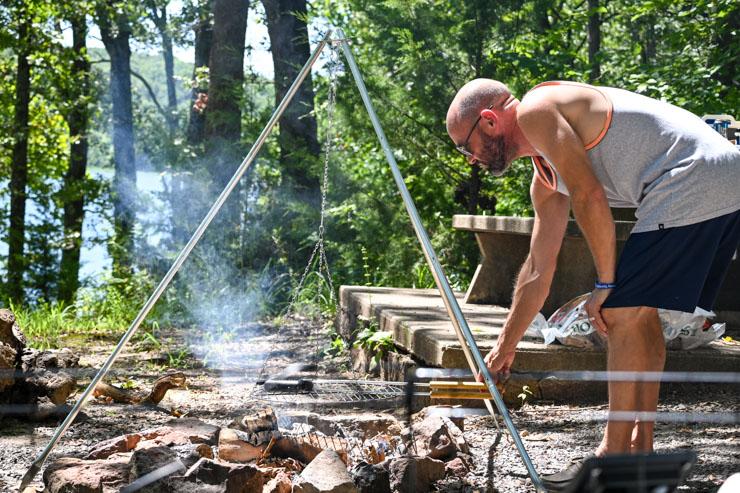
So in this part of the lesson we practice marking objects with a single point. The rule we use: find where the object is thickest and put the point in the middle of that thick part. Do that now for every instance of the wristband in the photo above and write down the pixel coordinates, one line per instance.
(605, 285)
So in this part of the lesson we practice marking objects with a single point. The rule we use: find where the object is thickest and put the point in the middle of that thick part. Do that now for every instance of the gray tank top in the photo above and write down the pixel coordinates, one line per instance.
(663, 160)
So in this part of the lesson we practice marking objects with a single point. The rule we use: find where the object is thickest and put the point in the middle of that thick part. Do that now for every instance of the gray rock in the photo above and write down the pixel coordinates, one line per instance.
(371, 478)
(325, 474)
(48, 373)
(7, 319)
(8, 357)
(414, 474)
(439, 438)
(227, 478)
(180, 484)
(151, 459)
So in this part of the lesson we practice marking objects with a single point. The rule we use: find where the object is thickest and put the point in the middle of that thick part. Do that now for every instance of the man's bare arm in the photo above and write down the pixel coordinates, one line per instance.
(535, 276)
(550, 132)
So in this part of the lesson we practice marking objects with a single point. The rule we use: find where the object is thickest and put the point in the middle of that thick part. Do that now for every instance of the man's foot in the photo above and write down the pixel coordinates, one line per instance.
(559, 481)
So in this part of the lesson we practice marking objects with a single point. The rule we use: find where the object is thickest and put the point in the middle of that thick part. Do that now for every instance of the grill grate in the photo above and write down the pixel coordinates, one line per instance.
(334, 392)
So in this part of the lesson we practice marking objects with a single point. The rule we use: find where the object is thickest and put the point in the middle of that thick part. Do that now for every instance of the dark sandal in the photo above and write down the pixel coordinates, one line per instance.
(559, 481)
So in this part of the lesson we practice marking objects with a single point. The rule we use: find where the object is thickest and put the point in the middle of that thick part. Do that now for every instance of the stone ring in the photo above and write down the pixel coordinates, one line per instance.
(591, 319)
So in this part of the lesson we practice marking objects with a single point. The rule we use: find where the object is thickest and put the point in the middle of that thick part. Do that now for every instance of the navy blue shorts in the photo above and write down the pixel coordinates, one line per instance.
(676, 268)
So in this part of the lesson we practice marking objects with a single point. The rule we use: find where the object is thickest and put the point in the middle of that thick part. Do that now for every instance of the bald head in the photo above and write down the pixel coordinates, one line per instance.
(471, 99)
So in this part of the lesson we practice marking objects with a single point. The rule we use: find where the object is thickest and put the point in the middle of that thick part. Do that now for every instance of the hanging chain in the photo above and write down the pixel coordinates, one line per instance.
(323, 262)
(319, 247)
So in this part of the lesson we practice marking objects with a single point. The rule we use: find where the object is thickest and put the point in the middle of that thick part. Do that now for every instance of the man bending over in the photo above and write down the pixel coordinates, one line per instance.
(592, 148)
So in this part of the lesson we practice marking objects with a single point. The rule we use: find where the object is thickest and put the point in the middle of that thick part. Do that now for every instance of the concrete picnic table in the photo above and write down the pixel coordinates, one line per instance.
(504, 245)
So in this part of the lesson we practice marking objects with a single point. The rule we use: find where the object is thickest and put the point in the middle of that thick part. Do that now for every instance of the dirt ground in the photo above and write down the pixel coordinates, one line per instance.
(702, 418)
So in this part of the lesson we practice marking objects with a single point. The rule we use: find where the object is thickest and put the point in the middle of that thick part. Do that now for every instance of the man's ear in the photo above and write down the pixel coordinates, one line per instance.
(489, 115)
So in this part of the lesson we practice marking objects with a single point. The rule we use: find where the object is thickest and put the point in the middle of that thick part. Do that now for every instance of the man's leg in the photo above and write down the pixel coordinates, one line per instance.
(636, 343)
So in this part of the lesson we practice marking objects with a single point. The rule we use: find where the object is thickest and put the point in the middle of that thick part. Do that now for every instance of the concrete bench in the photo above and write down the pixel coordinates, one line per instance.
(504, 245)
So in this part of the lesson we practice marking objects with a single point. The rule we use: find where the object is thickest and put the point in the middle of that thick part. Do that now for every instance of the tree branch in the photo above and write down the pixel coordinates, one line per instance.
(146, 84)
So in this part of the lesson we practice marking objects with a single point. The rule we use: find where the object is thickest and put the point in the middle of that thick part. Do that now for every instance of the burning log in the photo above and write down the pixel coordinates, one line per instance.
(258, 428)
(159, 389)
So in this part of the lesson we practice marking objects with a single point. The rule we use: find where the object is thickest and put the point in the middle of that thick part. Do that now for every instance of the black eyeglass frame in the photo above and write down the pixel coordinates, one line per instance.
(462, 149)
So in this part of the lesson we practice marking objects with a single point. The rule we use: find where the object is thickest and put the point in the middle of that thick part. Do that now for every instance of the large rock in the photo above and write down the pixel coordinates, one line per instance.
(371, 478)
(49, 373)
(414, 474)
(8, 357)
(117, 445)
(325, 474)
(209, 476)
(149, 460)
(69, 475)
(187, 438)
(233, 446)
(192, 430)
(439, 438)
(12, 343)
(456, 467)
(10, 332)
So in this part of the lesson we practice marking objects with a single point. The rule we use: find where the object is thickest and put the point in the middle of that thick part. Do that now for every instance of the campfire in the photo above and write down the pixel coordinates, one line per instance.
(272, 452)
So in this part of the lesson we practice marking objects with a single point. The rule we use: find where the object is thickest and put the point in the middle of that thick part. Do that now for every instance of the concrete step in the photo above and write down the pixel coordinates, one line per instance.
(420, 326)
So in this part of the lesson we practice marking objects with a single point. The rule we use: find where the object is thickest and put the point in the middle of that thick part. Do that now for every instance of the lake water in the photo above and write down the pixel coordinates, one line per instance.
(94, 258)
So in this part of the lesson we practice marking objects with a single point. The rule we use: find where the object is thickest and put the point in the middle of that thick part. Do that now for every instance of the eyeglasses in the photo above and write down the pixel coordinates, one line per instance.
(462, 149)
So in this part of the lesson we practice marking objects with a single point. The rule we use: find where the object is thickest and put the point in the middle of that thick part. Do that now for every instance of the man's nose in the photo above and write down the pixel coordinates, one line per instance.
(471, 159)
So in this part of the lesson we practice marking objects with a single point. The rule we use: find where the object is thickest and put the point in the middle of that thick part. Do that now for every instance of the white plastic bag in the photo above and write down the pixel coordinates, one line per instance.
(689, 330)
(569, 325)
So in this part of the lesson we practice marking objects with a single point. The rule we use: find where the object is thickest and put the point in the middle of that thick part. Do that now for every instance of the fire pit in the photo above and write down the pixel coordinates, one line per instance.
(295, 450)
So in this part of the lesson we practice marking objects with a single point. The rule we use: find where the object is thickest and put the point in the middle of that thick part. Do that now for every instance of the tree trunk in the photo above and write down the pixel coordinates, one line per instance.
(158, 15)
(199, 95)
(116, 41)
(19, 166)
(594, 40)
(290, 49)
(223, 117)
(74, 198)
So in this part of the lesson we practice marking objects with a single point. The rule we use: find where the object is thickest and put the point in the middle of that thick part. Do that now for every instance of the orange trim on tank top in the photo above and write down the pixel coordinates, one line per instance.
(545, 172)
(578, 84)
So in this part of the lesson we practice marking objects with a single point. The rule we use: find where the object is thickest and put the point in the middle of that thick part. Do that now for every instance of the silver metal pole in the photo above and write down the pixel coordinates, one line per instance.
(36, 466)
(453, 308)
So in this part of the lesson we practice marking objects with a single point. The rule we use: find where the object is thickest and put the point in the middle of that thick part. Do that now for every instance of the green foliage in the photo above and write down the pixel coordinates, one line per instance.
(376, 341)
(104, 311)
(414, 55)
(46, 324)
(525, 394)
(177, 358)
(337, 346)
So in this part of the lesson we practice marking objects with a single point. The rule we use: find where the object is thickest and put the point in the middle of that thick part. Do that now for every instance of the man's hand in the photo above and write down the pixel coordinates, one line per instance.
(593, 308)
(498, 366)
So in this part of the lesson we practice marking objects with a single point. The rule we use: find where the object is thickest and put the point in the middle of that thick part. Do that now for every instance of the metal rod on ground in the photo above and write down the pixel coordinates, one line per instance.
(453, 308)
(36, 466)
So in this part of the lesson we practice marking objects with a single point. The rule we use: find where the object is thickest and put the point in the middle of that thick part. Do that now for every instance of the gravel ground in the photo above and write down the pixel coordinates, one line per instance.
(555, 434)
(216, 393)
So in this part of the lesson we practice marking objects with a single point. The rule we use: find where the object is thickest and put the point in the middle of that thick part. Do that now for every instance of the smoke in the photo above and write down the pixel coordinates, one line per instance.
(235, 275)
